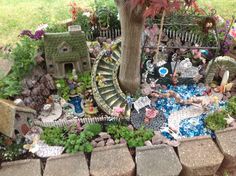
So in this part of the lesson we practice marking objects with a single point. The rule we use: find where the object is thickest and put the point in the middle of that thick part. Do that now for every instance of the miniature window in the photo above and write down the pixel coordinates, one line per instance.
(16, 132)
(65, 49)
(84, 63)
(17, 117)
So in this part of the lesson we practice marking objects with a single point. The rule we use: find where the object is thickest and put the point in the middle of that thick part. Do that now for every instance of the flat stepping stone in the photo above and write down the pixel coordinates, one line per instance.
(29, 167)
(226, 140)
(157, 160)
(199, 156)
(112, 161)
(71, 165)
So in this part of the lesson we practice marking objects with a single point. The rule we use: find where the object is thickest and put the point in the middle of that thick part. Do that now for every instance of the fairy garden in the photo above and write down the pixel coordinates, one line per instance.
(137, 73)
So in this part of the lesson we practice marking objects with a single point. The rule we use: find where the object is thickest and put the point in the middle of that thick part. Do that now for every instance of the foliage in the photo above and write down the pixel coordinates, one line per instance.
(23, 57)
(12, 150)
(80, 142)
(94, 128)
(63, 88)
(84, 22)
(231, 106)
(54, 136)
(85, 79)
(107, 13)
(134, 138)
(154, 7)
(54, 28)
(216, 121)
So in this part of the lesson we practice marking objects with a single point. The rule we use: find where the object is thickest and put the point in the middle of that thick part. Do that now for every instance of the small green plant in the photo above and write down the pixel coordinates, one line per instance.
(54, 136)
(23, 57)
(80, 142)
(134, 138)
(12, 150)
(54, 28)
(231, 106)
(94, 128)
(216, 121)
(63, 88)
(85, 79)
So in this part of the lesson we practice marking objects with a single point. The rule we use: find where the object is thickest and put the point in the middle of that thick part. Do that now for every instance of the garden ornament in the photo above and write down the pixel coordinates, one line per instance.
(141, 103)
(150, 114)
(118, 111)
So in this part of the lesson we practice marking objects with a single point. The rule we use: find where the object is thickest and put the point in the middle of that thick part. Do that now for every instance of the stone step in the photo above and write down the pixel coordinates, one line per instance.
(199, 156)
(157, 160)
(67, 164)
(112, 161)
(29, 167)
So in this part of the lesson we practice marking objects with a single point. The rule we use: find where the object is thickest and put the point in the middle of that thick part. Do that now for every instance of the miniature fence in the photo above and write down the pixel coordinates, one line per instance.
(112, 33)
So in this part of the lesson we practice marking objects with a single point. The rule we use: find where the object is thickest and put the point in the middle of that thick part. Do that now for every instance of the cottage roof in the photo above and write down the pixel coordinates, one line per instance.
(76, 41)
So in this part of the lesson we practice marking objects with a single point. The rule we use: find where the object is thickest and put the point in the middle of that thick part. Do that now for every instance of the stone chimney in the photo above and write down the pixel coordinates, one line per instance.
(74, 29)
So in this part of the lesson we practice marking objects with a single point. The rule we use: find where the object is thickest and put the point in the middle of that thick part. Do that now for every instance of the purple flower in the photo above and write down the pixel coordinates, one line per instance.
(36, 36)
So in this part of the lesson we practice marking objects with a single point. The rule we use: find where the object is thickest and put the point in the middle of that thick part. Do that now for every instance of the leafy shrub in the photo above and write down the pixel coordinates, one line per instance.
(54, 136)
(231, 106)
(216, 121)
(54, 28)
(107, 13)
(94, 128)
(80, 142)
(134, 138)
(23, 57)
(63, 88)
(85, 79)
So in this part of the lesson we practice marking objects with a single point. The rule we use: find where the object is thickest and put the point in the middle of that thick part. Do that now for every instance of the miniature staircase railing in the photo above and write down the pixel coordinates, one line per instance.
(107, 93)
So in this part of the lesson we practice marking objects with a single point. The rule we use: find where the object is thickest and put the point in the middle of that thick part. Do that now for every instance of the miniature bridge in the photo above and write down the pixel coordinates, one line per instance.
(105, 86)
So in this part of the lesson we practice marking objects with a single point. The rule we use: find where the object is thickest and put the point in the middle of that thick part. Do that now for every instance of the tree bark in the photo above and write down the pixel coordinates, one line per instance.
(132, 24)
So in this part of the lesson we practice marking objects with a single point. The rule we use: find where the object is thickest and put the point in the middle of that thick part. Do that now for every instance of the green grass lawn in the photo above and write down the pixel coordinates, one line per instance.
(16, 15)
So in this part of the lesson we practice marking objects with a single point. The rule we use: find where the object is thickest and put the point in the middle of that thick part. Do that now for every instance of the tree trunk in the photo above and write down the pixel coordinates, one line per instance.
(132, 24)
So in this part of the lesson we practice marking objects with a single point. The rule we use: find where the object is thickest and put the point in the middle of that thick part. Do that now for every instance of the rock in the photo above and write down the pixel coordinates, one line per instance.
(199, 156)
(226, 140)
(157, 160)
(112, 161)
(21, 168)
(98, 139)
(74, 165)
(101, 144)
(26, 92)
(156, 139)
(148, 143)
(104, 135)
(131, 127)
(19, 102)
(94, 143)
(110, 142)
(123, 141)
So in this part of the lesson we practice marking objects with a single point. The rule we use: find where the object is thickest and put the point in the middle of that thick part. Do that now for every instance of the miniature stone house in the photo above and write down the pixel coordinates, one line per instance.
(66, 51)
(15, 119)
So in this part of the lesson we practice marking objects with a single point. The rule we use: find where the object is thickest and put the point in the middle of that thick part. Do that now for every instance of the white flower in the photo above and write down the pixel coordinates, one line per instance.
(42, 27)
(87, 14)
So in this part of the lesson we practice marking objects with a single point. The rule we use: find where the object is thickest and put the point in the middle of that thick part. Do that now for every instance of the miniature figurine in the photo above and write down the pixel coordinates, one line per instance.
(150, 114)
